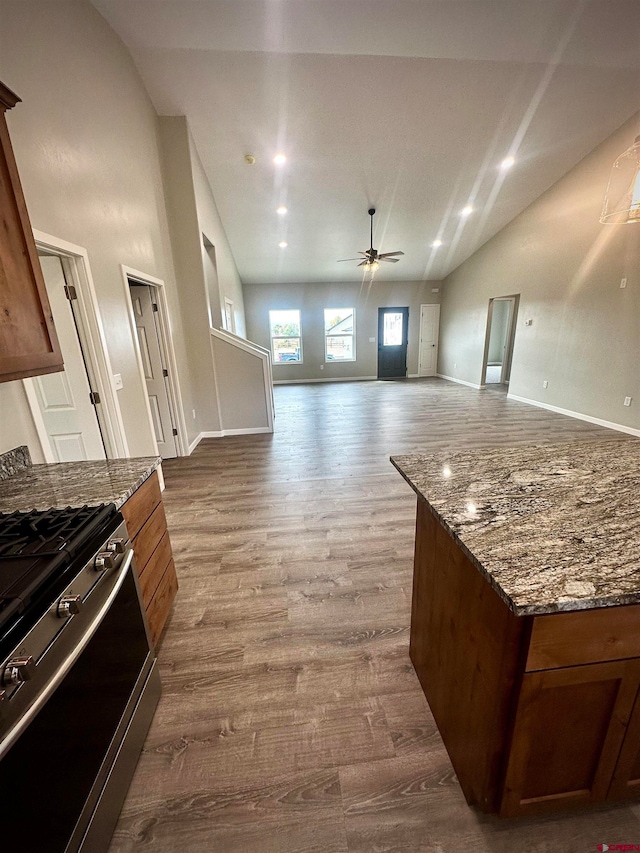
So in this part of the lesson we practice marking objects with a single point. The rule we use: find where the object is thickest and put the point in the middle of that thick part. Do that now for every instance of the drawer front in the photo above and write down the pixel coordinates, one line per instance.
(151, 574)
(148, 539)
(159, 608)
(141, 504)
(584, 636)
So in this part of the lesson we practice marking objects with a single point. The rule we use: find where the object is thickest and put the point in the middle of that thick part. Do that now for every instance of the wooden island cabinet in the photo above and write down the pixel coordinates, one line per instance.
(147, 527)
(28, 342)
(525, 625)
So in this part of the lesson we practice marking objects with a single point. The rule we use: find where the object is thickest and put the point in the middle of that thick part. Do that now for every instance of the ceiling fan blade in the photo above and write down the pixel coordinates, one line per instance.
(364, 264)
(388, 260)
(342, 260)
(389, 254)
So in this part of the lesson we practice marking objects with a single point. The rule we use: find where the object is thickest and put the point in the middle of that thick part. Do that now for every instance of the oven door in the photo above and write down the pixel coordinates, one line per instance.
(63, 781)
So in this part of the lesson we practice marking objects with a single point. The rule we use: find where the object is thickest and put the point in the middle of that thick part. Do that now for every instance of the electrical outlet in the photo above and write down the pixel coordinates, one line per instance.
(627, 401)
(193, 412)
(435, 290)
(117, 381)
(455, 364)
(623, 282)
(372, 340)
(545, 384)
(322, 367)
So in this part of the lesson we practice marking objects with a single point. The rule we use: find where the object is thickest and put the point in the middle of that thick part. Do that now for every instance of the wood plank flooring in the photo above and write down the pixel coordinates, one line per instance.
(291, 719)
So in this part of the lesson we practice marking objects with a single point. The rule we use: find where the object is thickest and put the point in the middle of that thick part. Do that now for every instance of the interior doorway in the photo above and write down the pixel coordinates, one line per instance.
(393, 339)
(149, 323)
(153, 368)
(429, 327)
(65, 400)
(98, 430)
(501, 330)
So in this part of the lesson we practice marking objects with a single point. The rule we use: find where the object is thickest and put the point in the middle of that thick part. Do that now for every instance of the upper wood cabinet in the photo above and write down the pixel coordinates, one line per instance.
(28, 341)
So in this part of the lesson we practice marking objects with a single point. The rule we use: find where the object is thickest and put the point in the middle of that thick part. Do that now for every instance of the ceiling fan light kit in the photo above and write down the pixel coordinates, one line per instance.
(370, 259)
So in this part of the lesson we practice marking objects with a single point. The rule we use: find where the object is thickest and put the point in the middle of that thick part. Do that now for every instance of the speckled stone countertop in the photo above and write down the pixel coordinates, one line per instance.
(75, 483)
(553, 527)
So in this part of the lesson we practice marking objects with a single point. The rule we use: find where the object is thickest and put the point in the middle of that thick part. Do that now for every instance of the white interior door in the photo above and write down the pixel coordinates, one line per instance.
(68, 414)
(429, 326)
(153, 368)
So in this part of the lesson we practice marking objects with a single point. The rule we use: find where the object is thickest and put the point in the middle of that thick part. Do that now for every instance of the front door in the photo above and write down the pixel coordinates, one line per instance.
(155, 373)
(64, 399)
(393, 337)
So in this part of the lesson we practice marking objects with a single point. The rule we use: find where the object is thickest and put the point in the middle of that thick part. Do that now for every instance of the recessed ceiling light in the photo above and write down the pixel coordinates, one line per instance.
(283, 244)
(466, 210)
(507, 163)
(436, 243)
(281, 210)
(279, 159)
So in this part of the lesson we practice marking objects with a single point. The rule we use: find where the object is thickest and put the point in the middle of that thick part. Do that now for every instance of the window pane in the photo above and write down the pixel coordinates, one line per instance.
(338, 321)
(392, 336)
(339, 347)
(286, 349)
(285, 323)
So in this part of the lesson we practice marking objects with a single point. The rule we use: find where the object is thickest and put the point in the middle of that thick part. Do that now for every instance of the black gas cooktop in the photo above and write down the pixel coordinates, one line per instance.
(37, 548)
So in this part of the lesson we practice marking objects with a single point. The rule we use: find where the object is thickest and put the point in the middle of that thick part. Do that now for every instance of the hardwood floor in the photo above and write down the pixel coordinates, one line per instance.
(291, 719)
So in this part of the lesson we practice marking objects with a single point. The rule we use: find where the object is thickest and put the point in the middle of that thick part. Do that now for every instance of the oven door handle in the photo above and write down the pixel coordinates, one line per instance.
(56, 679)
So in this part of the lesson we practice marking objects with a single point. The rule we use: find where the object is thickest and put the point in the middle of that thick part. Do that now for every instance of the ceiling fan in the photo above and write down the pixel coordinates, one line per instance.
(371, 258)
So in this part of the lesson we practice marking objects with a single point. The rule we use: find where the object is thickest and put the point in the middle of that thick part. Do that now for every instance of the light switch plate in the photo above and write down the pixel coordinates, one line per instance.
(117, 381)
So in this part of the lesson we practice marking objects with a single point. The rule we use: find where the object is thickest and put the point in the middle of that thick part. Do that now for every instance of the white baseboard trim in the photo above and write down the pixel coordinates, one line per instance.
(221, 433)
(196, 441)
(578, 415)
(459, 381)
(247, 431)
(335, 379)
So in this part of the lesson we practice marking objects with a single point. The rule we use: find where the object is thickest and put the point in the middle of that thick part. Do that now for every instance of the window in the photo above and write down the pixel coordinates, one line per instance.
(339, 334)
(286, 339)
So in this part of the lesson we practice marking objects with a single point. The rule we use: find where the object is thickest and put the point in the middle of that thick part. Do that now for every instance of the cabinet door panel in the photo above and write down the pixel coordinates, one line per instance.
(568, 732)
(28, 341)
(626, 780)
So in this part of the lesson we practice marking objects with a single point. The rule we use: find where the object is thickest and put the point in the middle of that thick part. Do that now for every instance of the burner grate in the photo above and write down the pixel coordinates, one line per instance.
(48, 533)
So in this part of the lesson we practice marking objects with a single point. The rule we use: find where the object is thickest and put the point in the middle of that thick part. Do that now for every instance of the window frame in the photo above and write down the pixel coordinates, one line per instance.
(328, 334)
(273, 337)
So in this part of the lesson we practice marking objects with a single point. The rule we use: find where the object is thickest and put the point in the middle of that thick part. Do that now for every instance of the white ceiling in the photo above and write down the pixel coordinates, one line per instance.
(406, 105)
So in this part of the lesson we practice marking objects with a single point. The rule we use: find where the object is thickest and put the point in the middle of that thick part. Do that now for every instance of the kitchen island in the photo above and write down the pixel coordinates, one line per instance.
(525, 623)
(132, 485)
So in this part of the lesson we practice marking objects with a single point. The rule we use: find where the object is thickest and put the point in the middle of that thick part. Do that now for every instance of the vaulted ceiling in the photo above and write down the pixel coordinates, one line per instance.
(409, 106)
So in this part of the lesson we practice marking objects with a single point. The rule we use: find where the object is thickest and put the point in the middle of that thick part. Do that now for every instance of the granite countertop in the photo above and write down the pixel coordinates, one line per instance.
(554, 527)
(28, 487)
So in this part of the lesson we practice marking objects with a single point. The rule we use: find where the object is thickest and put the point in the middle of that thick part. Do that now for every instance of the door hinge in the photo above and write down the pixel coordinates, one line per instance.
(70, 292)
(94, 398)
(175, 431)
(155, 307)
(165, 372)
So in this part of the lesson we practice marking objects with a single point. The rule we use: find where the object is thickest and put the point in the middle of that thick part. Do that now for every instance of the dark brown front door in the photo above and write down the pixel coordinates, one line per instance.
(393, 335)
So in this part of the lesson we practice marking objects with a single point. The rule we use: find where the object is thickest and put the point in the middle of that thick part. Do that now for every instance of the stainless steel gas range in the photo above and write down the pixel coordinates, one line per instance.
(78, 677)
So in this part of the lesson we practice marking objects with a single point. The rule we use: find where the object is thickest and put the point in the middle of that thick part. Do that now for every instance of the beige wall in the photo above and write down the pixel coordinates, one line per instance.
(85, 140)
(312, 299)
(228, 280)
(584, 338)
(187, 251)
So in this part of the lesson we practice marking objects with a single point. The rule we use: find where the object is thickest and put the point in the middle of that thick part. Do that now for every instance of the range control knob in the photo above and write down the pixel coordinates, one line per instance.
(69, 606)
(18, 670)
(104, 560)
(116, 546)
